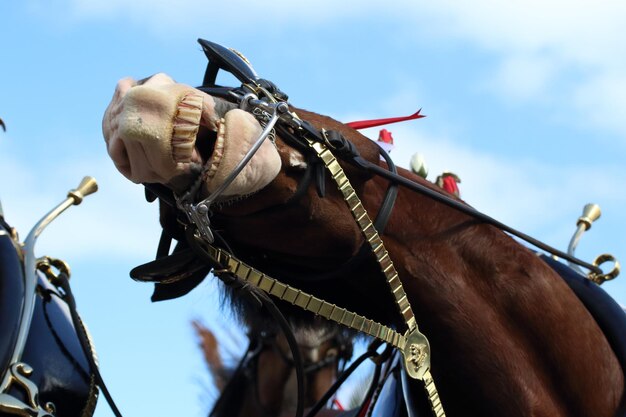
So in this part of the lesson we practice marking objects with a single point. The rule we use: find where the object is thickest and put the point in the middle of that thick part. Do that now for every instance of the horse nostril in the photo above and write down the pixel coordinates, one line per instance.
(119, 154)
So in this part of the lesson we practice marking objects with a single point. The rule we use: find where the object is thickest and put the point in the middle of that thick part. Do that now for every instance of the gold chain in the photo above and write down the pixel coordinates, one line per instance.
(413, 344)
(369, 232)
(303, 300)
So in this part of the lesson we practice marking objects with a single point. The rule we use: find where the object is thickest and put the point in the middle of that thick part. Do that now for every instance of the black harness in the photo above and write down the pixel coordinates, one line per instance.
(53, 375)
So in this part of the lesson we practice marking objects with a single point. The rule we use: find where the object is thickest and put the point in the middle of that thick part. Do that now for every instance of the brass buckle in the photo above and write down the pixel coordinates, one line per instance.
(46, 265)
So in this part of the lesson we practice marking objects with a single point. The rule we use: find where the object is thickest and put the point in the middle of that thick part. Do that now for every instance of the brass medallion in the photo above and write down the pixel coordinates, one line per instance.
(416, 354)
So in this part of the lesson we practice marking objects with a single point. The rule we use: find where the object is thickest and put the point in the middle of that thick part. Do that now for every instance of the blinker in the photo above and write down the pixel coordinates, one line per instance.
(227, 59)
(232, 61)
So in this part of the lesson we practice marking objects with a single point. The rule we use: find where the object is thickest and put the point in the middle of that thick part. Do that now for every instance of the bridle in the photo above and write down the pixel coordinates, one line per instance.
(331, 349)
(269, 105)
(328, 349)
(261, 98)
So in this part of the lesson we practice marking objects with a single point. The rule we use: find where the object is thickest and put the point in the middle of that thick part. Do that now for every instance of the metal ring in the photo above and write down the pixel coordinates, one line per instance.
(601, 278)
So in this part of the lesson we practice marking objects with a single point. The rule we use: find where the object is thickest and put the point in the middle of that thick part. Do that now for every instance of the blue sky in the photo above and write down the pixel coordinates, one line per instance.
(526, 102)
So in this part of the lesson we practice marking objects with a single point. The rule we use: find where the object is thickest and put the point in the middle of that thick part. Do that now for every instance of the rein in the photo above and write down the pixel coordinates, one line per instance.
(301, 133)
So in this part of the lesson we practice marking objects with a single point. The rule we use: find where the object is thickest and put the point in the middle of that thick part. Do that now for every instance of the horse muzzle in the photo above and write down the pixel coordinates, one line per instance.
(160, 131)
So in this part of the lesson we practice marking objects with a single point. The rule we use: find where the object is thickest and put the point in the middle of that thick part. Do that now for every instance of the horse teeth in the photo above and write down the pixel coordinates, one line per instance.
(185, 127)
(218, 150)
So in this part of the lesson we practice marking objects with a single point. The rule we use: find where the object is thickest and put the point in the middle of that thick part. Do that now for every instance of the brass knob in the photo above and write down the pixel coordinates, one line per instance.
(86, 187)
(591, 213)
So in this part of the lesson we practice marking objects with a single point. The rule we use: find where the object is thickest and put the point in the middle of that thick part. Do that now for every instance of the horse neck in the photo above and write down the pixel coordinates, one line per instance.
(496, 316)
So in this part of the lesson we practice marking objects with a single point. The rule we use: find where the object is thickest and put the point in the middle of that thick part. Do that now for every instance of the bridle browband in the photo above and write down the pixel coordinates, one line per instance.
(268, 104)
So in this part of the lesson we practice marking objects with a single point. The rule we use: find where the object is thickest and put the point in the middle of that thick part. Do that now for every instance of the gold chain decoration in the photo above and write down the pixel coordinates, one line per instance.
(369, 232)
(303, 300)
(416, 349)
(413, 344)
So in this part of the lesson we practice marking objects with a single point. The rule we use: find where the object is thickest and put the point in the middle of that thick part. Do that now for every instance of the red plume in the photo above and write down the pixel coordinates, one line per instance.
(364, 124)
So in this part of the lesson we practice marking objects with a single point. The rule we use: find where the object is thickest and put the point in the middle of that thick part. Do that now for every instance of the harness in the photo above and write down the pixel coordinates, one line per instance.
(268, 104)
(244, 376)
(47, 366)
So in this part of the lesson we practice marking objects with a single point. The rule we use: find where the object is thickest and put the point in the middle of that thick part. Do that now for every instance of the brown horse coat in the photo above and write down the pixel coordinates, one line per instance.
(508, 336)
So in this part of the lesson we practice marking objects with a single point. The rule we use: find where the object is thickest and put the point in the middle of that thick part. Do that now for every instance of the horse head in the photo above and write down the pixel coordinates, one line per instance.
(160, 131)
(262, 381)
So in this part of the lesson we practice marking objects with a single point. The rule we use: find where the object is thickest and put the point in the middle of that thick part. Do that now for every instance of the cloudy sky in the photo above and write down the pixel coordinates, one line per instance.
(526, 102)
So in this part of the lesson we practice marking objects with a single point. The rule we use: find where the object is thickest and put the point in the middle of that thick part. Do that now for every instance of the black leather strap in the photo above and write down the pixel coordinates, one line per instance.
(63, 283)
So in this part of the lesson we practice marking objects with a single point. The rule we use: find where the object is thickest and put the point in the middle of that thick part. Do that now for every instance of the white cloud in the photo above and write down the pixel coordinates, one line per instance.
(548, 42)
(602, 100)
(193, 15)
(524, 77)
(540, 45)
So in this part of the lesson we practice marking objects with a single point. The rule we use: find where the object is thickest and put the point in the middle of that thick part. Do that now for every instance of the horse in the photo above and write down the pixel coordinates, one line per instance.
(500, 332)
(263, 381)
